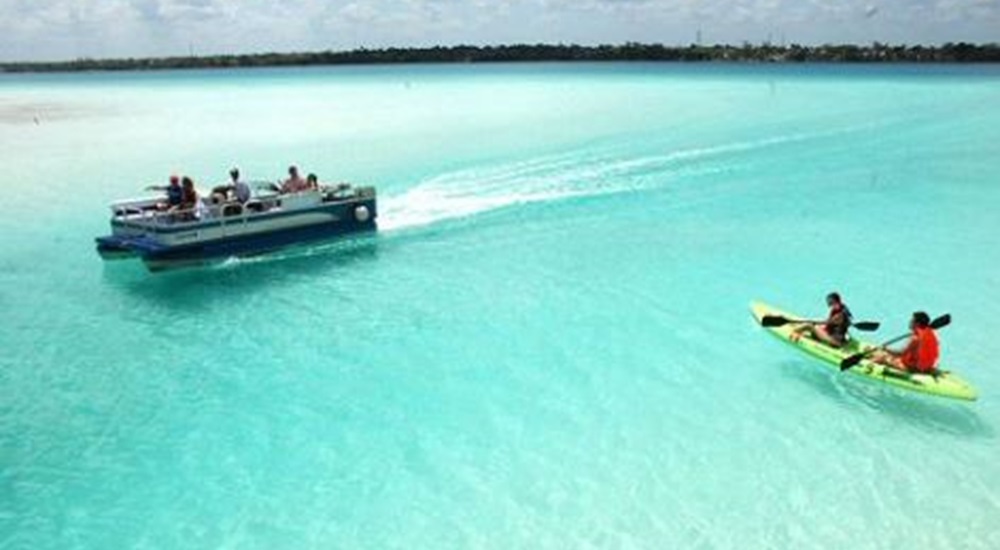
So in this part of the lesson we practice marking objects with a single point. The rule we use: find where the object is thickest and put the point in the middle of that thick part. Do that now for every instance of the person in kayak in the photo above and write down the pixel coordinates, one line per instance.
(833, 331)
(921, 352)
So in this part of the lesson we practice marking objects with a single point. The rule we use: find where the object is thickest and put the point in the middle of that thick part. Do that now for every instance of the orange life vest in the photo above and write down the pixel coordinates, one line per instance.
(922, 353)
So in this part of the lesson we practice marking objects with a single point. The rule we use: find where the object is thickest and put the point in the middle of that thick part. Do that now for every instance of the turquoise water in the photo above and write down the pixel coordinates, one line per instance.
(547, 345)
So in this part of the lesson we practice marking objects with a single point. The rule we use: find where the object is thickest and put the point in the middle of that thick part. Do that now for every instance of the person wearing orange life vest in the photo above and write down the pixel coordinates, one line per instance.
(921, 352)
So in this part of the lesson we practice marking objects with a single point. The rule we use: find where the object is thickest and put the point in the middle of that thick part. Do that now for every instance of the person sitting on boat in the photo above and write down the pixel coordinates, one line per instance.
(312, 182)
(175, 194)
(239, 189)
(191, 206)
(294, 183)
(833, 331)
(189, 197)
(920, 353)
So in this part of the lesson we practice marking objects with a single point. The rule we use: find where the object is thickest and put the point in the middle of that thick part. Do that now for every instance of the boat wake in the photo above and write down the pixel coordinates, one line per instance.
(582, 173)
(585, 173)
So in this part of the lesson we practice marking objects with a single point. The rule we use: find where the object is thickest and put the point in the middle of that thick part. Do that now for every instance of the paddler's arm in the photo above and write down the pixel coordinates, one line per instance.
(910, 347)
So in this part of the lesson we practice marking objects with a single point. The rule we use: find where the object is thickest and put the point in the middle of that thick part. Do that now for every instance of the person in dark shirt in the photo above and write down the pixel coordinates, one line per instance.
(175, 193)
(833, 331)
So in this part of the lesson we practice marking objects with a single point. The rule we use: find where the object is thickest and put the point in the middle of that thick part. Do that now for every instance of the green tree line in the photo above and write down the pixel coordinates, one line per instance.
(961, 52)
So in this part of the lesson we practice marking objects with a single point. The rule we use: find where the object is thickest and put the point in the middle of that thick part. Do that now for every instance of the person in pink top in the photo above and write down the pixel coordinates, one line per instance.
(294, 183)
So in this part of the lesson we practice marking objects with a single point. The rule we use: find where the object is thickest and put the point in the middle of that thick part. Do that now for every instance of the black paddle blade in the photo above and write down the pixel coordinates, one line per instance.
(851, 361)
(941, 321)
(771, 321)
(774, 321)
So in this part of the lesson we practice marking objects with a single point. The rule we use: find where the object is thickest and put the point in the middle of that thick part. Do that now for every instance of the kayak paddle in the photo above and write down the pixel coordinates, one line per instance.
(779, 321)
(852, 360)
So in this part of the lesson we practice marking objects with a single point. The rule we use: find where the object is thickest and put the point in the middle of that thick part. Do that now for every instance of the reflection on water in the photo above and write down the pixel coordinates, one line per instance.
(922, 411)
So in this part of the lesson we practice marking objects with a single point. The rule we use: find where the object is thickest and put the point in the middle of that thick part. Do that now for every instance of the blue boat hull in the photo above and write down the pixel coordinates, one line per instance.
(249, 246)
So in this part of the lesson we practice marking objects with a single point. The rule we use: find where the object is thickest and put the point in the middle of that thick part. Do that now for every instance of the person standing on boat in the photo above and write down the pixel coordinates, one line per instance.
(175, 193)
(294, 183)
(833, 331)
(921, 352)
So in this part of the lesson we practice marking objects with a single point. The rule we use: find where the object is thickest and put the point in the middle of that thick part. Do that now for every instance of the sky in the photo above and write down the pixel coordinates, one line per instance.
(35, 30)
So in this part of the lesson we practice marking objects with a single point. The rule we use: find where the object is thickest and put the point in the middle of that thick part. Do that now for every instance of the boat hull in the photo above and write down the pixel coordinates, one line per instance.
(250, 245)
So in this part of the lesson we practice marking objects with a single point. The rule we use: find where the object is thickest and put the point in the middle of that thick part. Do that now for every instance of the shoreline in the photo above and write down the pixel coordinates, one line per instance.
(950, 53)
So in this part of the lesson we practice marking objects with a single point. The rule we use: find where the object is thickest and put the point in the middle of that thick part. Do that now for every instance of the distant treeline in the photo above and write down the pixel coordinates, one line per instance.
(961, 52)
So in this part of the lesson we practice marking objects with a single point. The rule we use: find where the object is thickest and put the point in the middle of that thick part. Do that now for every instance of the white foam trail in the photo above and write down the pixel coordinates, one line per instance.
(476, 190)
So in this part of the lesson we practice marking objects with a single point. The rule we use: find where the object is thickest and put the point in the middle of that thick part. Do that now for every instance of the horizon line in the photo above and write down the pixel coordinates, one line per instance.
(993, 48)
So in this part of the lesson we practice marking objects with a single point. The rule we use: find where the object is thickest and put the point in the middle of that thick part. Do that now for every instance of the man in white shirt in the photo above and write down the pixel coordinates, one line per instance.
(240, 187)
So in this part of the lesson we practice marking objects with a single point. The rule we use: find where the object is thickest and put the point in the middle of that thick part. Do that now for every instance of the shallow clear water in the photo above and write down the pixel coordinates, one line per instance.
(548, 344)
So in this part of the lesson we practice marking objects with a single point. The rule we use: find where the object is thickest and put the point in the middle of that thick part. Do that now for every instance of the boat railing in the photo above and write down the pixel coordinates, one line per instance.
(153, 212)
